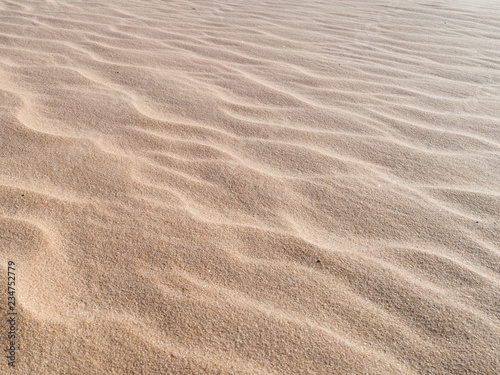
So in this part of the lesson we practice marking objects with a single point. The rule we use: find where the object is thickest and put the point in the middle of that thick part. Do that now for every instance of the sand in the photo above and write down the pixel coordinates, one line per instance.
(251, 187)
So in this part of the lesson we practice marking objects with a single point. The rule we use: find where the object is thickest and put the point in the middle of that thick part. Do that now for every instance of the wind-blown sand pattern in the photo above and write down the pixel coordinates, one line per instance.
(251, 187)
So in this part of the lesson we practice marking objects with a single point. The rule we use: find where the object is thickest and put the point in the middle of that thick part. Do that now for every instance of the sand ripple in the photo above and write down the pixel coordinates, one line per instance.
(254, 187)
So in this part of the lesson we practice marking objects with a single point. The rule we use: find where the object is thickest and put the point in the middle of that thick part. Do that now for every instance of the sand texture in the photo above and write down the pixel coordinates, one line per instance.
(251, 187)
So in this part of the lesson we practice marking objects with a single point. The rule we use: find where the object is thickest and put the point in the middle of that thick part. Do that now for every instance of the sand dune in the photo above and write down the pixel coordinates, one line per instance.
(251, 187)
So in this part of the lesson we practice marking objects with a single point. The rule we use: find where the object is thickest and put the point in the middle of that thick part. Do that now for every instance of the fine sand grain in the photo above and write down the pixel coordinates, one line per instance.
(251, 187)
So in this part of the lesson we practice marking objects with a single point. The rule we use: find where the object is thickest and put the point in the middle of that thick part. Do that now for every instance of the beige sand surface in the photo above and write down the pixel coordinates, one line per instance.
(251, 187)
